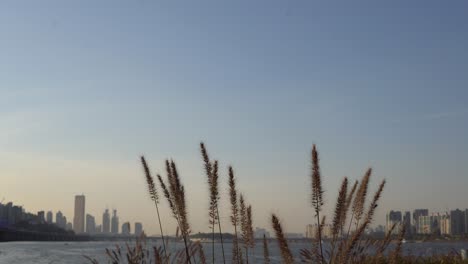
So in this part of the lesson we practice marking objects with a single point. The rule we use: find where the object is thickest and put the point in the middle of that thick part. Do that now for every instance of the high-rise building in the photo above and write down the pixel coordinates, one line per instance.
(11, 214)
(466, 221)
(98, 229)
(115, 223)
(434, 224)
(311, 231)
(327, 231)
(457, 222)
(90, 224)
(79, 218)
(393, 218)
(69, 226)
(106, 222)
(416, 214)
(126, 228)
(445, 224)
(425, 225)
(407, 223)
(41, 216)
(60, 220)
(138, 228)
(49, 217)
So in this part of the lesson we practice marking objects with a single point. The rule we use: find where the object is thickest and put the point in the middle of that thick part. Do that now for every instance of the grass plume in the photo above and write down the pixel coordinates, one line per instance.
(250, 231)
(340, 210)
(396, 254)
(175, 194)
(317, 194)
(154, 196)
(266, 252)
(234, 215)
(282, 242)
(211, 170)
(360, 199)
(244, 226)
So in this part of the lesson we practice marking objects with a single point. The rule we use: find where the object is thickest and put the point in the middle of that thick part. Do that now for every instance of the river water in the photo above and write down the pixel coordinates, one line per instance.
(74, 252)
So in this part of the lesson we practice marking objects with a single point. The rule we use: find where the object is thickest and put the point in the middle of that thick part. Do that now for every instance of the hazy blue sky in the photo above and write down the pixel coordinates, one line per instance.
(88, 86)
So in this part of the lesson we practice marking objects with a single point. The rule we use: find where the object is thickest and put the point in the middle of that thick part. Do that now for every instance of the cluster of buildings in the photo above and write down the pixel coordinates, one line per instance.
(11, 215)
(311, 231)
(418, 222)
(421, 222)
(83, 223)
(86, 223)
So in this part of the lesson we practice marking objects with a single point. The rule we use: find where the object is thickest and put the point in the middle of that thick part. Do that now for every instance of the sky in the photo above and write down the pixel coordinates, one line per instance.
(86, 87)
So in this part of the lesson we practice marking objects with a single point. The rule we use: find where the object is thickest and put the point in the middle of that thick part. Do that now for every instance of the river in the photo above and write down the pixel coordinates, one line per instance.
(74, 252)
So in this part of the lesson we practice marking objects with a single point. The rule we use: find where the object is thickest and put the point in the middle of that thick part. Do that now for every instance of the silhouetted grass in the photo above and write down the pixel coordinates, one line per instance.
(347, 246)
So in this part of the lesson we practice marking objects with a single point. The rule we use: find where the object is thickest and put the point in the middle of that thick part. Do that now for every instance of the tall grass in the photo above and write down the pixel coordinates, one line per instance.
(211, 169)
(347, 243)
(317, 196)
(266, 252)
(236, 254)
(282, 242)
(175, 194)
(155, 197)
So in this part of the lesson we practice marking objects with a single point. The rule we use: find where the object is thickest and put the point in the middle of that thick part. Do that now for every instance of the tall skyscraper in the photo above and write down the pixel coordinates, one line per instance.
(457, 222)
(106, 222)
(115, 223)
(444, 224)
(126, 228)
(60, 220)
(41, 216)
(79, 218)
(466, 221)
(138, 228)
(90, 224)
(49, 217)
(407, 223)
(393, 218)
(416, 214)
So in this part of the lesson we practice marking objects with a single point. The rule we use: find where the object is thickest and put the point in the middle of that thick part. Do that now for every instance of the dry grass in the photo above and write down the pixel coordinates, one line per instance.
(266, 252)
(236, 254)
(282, 242)
(155, 197)
(211, 169)
(175, 194)
(317, 195)
(339, 215)
(347, 246)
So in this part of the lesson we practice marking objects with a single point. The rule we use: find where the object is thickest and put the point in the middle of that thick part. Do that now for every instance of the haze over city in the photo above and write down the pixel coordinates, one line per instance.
(87, 87)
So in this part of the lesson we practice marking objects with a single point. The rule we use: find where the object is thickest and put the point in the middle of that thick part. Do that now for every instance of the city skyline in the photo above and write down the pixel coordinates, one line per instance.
(86, 88)
(394, 216)
(451, 222)
(83, 222)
